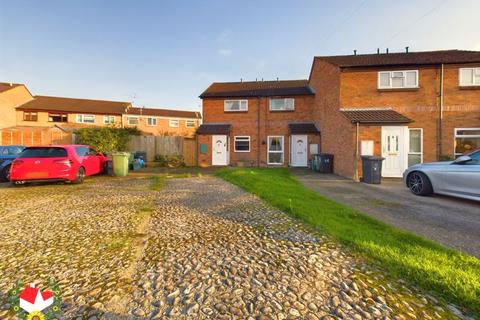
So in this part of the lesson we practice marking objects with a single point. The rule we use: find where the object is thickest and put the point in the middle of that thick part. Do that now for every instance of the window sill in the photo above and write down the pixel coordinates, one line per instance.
(282, 110)
(30, 120)
(230, 111)
(476, 87)
(397, 89)
(242, 151)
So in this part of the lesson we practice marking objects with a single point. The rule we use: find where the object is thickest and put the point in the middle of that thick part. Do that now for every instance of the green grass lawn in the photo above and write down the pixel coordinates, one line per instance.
(429, 265)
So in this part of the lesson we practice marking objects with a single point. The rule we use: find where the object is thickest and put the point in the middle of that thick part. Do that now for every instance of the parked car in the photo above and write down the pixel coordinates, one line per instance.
(56, 163)
(459, 178)
(7, 155)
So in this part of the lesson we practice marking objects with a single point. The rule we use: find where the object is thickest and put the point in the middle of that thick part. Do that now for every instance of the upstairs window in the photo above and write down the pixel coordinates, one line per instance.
(133, 121)
(173, 123)
(190, 123)
(398, 79)
(57, 117)
(469, 77)
(85, 118)
(109, 119)
(282, 104)
(235, 105)
(152, 122)
(30, 116)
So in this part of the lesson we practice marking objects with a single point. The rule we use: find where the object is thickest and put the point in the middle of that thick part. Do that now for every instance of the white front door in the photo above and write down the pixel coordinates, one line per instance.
(298, 151)
(219, 150)
(394, 151)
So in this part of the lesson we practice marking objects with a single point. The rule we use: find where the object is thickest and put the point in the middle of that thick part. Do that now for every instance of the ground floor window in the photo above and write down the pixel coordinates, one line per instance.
(242, 144)
(133, 121)
(466, 140)
(173, 123)
(275, 150)
(415, 146)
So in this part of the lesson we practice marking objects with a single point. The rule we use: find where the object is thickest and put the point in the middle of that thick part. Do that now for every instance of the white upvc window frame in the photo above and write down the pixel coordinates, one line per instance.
(455, 136)
(171, 123)
(152, 121)
(240, 101)
(107, 119)
(241, 138)
(80, 118)
(136, 118)
(475, 74)
(275, 151)
(283, 109)
(421, 144)
(391, 73)
(190, 123)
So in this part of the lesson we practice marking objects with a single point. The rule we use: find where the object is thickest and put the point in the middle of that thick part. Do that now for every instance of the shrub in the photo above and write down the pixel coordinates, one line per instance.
(106, 139)
(173, 161)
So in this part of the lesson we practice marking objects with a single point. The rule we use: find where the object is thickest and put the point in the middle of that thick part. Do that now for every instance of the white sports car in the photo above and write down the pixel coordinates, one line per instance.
(459, 178)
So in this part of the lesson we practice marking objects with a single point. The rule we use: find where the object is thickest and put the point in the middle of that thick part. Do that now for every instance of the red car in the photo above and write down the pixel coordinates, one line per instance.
(56, 163)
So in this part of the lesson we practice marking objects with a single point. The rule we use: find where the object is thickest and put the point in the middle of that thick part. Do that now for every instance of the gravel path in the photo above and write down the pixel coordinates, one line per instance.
(199, 249)
(217, 252)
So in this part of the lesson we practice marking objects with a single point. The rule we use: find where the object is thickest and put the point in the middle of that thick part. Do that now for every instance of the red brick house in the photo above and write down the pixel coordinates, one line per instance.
(259, 123)
(407, 107)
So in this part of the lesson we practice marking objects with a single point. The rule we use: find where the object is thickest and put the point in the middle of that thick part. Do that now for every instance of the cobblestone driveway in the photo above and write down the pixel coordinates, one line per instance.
(206, 250)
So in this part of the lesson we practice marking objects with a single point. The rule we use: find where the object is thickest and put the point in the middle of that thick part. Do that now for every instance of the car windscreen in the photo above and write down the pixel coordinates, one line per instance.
(43, 152)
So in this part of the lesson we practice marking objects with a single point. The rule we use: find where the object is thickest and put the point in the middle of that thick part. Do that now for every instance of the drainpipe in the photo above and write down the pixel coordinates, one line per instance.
(258, 131)
(355, 164)
(440, 119)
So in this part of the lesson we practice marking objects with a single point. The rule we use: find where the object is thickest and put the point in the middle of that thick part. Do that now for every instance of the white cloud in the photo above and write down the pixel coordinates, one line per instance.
(224, 52)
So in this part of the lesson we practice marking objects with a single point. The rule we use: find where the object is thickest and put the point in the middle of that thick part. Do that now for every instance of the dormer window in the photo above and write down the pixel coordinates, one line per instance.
(469, 77)
(398, 79)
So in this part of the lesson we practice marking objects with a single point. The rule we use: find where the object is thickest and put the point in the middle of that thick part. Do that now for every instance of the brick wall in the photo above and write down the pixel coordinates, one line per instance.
(337, 132)
(357, 88)
(258, 123)
(9, 100)
(163, 126)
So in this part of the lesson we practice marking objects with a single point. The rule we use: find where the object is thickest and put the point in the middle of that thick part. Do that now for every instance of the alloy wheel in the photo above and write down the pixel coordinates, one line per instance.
(415, 182)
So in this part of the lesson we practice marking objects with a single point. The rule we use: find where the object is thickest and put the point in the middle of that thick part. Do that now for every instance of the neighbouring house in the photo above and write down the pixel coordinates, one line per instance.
(259, 123)
(408, 107)
(163, 121)
(11, 96)
(29, 120)
(70, 112)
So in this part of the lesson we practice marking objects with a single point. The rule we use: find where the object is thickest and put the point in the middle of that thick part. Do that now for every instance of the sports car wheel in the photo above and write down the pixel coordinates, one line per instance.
(80, 177)
(419, 184)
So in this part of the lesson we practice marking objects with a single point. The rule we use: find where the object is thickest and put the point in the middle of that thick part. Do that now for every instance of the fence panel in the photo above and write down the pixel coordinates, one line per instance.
(165, 145)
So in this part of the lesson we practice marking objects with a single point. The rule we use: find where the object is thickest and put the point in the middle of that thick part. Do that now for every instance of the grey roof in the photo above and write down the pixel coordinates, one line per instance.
(403, 58)
(217, 128)
(257, 89)
(303, 127)
(374, 115)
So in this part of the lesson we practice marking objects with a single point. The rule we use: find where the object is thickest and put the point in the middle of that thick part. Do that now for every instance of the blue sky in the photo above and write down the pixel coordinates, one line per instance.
(165, 53)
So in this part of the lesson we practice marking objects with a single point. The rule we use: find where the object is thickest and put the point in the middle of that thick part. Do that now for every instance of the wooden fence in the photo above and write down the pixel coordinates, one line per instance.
(34, 136)
(165, 145)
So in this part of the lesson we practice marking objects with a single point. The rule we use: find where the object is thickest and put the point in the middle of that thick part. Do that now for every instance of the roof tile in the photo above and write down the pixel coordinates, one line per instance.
(404, 58)
(257, 88)
(374, 115)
